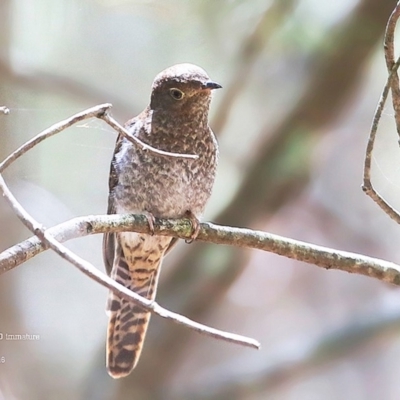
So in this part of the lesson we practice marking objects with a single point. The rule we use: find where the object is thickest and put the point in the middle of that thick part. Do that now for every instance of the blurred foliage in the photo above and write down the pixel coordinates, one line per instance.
(301, 81)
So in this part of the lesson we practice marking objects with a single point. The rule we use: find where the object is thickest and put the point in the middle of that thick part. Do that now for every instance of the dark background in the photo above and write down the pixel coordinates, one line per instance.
(301, 82)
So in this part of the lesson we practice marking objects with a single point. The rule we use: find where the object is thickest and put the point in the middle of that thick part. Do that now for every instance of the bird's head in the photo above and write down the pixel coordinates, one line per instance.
(182, 88)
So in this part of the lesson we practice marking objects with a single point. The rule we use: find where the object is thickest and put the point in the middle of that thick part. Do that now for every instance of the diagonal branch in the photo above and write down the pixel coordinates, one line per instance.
(136, 141)
(100, 111)
(88, 269)
(49, 241)
(96, 111)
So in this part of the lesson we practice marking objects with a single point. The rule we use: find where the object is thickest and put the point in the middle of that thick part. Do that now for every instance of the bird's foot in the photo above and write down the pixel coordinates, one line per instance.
(150, 220)
(195, 226)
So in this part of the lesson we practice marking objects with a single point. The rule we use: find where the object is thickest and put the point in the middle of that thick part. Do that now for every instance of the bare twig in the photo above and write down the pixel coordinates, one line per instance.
(49, 241)
(119, 128)
(56, 128)
(100, 111)
(317, 255)
(88, 269)
(367, 183)
(393, 85)
(340, 62)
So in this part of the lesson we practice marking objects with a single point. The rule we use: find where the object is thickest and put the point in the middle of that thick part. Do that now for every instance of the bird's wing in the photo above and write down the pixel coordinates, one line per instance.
(109, 238)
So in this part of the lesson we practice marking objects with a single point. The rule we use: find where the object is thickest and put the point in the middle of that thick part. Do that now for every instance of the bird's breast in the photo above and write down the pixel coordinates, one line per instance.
(164, 186)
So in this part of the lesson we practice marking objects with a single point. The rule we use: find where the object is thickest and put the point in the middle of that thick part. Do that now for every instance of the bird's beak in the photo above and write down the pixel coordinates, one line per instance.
(212, 85)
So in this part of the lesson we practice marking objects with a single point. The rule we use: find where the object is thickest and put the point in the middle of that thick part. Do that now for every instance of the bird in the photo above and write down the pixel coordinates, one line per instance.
(162, 186)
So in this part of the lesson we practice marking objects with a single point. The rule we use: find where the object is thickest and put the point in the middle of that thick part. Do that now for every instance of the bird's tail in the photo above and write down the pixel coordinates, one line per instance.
(128, 322)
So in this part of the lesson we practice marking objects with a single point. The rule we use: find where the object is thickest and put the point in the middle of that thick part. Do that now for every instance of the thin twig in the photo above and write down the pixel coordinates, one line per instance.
(392, 84)
(367, 184)
(56, 128)
(100, 111)
(48, 240)
(133, 139)
(88, 269)
(317, 255)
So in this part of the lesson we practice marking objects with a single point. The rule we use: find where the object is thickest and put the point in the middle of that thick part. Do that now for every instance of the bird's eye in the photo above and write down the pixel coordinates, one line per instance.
(176, 94)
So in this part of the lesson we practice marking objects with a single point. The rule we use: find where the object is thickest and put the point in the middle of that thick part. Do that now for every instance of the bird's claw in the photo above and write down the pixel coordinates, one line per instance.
(195, 227)
(150, 220)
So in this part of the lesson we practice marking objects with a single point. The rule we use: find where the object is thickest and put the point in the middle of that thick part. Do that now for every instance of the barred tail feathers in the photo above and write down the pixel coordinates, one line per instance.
(137, 268)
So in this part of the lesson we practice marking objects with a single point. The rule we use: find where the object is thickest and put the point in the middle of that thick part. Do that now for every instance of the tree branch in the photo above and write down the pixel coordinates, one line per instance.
(88, 269)
(367, 186)
(336, 70)
(96, 111)
(333, 77)
(136, 141)
(100, 111)
(317, 255)
(48, 241)
(240, 237)
(393, 85)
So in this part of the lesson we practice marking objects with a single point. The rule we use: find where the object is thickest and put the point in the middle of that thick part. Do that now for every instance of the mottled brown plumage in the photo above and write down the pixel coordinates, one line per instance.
(141, 181)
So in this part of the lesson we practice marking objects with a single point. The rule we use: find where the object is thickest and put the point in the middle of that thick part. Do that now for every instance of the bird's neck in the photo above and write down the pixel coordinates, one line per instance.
(175, 133)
